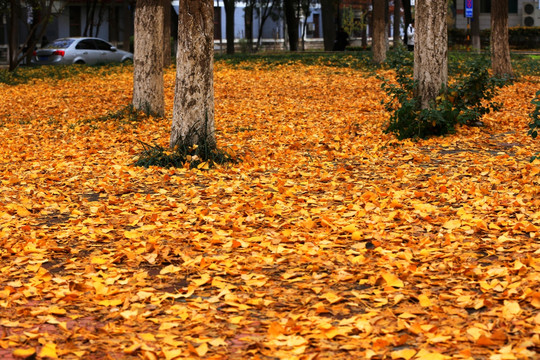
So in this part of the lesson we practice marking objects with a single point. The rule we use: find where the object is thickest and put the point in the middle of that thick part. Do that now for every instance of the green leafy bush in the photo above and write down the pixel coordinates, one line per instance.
(464, 101)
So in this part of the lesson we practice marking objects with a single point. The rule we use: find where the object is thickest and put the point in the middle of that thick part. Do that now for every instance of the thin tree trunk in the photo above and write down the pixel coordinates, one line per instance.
(292, 24)
(397, 22)
(229, 24)
(500, 48)
(430, 49)
(328, 10)
(148, 58)
(407, 17)
(128, 26)
(193, 112)
(248, 24)
(13, 34)
(379, 31)
(166, 33)
(475, 27)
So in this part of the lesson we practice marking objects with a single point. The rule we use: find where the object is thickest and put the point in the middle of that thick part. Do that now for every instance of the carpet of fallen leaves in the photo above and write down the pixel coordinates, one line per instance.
(329, 240)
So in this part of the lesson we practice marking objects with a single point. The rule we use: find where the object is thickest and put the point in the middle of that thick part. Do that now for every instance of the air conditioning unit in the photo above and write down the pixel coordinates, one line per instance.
(530, 15)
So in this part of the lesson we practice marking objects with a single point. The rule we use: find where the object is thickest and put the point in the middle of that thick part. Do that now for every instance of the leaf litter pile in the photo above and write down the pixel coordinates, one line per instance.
(328, 240)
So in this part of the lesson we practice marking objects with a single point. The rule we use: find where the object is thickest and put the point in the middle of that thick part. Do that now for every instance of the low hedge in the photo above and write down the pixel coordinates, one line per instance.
(519, 37)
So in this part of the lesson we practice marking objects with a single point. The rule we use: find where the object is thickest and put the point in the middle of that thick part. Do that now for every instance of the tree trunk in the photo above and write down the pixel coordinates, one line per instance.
(292, 24)
(328, 10)
(248, 25)
(379, 31)
(475, 27)
(407, 17)
(193, 113)
(128, 26)
(148, 58)
(229, 24)
(500, 48)
(167, 53)
(397, 22)
(13, 34)
(430, 49)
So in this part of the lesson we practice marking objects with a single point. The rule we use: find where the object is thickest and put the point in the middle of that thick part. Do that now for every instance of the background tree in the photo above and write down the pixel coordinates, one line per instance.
(127, 5)
(475, 27)
(430, 49)
(229, 24)
(379, 31)
(291, 17)
(500, 48)
(264, 9)
(305, 6)
(167, 51)
(248, 23)
(407, 17)
(397, 22)
(41, 12)
(329, 12)
(148, 58)
(193, 111)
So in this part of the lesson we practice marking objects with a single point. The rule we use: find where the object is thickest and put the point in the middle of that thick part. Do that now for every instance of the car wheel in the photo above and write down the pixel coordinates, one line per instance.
(79, 62)
(127, 61)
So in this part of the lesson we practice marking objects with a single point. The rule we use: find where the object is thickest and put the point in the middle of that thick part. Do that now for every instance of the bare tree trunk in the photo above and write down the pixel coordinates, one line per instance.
(248, 25)
(128, 26)
(430, 49)
(148, 58)
(328, 10)
(379, 31)
(193, 113)
(292, 24)
(397, 22)
(229, 24)
(167, 33)
(13, 34)
(500, 47)
(475, 27)
(407, 17)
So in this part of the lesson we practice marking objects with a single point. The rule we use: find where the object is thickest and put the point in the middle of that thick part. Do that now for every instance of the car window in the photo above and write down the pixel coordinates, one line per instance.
(59, 44)
(86, 44)
(102, 45)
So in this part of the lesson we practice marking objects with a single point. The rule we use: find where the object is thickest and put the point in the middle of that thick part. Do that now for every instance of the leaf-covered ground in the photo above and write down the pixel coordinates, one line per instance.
(329, 240)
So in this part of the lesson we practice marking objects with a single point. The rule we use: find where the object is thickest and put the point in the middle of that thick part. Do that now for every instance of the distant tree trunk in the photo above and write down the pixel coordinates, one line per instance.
(379, 31)
(229, 24)
(167, 53)
(329, 10)
(500, 48)
(128, 25)
(248, 24)
(13, 34)
(193, 112)
(430, 49)
(475, 27)
(407, 17)
(148, 58)
(292, 23)
(397, 22)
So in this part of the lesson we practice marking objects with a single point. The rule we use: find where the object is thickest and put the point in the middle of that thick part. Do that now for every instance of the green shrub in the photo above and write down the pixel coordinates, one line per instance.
(464, 101)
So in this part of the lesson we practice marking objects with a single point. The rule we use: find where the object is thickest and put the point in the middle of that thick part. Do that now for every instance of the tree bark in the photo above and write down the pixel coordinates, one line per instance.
(167, 53)
(500, 48)
(128, 26)
(193, 112)
(328, 10)
(13, 34)
(292, 23)
(148, 58)
(430, 49)
(379, 31)
(248, 24)
(229, 24)
(475, 27)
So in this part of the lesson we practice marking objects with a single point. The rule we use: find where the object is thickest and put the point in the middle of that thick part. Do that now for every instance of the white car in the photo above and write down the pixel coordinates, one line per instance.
(79, 50)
